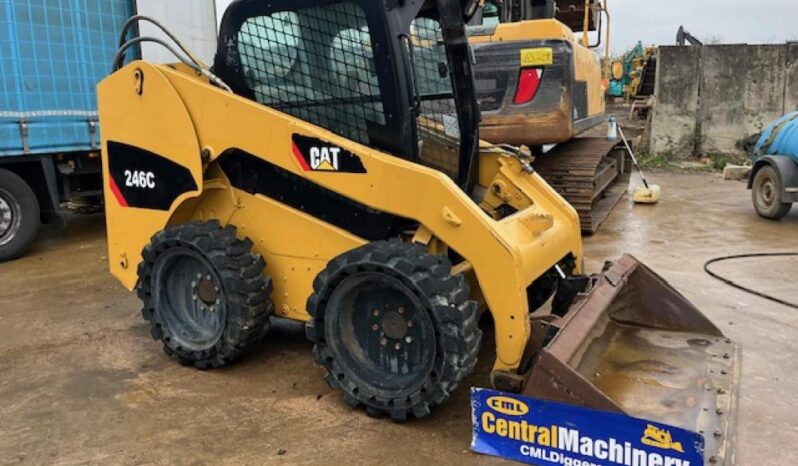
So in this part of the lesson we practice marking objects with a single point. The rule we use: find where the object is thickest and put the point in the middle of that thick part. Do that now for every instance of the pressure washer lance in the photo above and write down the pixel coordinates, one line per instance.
(646, 194)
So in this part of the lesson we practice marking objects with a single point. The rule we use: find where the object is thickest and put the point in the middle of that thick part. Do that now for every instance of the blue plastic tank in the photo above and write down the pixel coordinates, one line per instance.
(780, 138)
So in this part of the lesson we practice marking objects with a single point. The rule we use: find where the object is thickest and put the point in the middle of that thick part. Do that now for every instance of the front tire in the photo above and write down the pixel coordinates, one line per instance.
(766, 193)
(19, 216)
(204, 293)
(394, 329)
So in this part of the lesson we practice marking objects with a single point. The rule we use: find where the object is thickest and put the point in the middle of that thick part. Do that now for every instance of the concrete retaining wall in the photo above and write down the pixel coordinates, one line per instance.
(674, 122)
(711, 98)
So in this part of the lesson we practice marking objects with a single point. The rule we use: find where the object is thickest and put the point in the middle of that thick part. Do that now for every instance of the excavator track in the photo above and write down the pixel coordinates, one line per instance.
(592, 174)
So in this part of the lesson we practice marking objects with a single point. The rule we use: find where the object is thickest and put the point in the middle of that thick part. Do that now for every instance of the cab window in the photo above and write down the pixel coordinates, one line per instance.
(316, 64)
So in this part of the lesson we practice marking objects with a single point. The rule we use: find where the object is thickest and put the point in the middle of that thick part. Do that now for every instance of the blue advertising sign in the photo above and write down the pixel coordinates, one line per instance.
(545, 433)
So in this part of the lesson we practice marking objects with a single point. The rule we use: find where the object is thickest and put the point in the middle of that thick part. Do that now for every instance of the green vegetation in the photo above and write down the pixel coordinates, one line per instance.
(655, 161)
(718, 160)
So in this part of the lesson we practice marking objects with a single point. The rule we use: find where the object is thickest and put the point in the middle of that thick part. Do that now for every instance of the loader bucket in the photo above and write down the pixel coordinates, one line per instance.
(635, 345)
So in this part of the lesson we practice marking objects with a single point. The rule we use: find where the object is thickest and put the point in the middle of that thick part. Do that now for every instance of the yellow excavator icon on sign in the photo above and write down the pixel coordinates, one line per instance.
(660, 438)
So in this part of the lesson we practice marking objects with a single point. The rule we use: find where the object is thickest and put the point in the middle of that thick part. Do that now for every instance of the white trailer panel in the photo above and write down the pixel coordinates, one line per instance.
(192, 21)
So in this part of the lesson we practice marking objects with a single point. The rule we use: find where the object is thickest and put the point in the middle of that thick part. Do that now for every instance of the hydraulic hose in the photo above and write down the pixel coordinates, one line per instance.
(192, 61)
(135, 19)
(743, 288)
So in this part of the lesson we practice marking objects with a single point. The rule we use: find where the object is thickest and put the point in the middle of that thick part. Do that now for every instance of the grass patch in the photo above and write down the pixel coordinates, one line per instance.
(655, 161)
(718, 161)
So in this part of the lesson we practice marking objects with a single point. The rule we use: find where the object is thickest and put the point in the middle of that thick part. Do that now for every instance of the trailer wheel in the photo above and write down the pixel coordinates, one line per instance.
(19, 216)
(205, 294)
(394, 329)
(766, 194)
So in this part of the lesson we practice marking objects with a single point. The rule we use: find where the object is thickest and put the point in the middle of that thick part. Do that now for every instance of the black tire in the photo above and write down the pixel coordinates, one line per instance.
(766, 194)
(20, 216)
(205, 294)
(356, 352)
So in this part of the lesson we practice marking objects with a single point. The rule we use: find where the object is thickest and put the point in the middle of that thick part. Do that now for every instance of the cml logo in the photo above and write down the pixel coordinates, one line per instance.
(508, 406)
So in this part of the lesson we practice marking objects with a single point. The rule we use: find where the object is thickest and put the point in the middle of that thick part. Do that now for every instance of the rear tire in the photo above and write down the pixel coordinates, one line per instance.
(766, 194)
(205, 294)
(20, 216)
(394, 329)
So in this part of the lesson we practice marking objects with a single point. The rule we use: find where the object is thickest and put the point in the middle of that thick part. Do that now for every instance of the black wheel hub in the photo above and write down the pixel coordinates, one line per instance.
(189, 298)
(767, 193)
(394, 326)
(10, 219)
(207, 291)
(382, 332)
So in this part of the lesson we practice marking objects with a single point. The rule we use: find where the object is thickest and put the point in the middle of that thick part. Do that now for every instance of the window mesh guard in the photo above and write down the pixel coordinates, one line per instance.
(317, 64)
(438, 123)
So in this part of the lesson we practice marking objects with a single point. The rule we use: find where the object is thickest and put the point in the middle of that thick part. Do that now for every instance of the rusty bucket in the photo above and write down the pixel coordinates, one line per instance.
(634, 345)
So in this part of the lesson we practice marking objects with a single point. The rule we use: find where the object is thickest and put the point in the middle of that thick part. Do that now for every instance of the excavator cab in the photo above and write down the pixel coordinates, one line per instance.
(328, 170)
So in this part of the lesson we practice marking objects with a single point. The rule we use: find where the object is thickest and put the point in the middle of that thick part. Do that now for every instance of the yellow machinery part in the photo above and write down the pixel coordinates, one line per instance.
(180, 116)
(617, 70)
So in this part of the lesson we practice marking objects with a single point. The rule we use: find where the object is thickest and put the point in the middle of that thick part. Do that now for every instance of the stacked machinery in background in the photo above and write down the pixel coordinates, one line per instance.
(634, 75)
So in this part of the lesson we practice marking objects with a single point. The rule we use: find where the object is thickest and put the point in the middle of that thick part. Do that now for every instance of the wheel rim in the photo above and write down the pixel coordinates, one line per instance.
(189, 298)
(767, 193)
(10, 217)
(382, 331)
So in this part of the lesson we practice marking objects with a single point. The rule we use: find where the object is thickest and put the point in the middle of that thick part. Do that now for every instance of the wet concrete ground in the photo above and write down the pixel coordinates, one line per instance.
(83, 382)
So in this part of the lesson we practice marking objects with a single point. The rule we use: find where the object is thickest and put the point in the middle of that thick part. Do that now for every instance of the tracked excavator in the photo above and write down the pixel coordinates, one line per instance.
(540, 86)
(327, 169)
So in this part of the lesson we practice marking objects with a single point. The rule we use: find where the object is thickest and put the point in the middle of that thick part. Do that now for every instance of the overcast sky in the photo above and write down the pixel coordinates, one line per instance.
(655, 22)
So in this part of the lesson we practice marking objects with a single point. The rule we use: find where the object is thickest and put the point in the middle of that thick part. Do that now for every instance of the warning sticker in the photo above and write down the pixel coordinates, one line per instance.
(537, 57)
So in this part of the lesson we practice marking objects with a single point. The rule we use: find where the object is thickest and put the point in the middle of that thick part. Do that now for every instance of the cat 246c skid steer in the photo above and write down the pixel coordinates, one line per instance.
(314, 174)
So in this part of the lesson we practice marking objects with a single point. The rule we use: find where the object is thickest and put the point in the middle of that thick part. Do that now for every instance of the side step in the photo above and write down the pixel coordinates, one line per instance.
(592, 174)
(634, 345)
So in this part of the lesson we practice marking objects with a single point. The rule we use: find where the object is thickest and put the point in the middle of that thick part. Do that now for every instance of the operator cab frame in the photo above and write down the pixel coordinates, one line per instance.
(353, 67)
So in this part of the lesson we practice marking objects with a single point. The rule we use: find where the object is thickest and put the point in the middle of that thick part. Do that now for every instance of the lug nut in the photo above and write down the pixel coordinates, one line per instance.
(408, 340)
(721, 391)
(718, 433)
(376, 312)
(397, 346)
(383, 341)
(409, 323)
(713, 459)
(719, 411)
(375, 327)
(193, 284)
(194, 297)
(401, 310)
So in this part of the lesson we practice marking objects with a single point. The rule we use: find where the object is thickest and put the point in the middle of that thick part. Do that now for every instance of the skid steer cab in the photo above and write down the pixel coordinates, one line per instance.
(328, 170)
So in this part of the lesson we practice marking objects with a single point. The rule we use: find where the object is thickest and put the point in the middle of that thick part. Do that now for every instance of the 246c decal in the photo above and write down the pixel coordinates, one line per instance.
(315, 155)
(139, 179)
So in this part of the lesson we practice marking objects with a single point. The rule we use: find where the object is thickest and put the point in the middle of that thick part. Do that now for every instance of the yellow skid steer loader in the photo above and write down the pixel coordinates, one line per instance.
(328, 170)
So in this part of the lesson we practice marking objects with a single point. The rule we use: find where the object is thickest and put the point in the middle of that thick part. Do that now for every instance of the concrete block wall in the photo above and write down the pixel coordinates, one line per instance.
(710, 98)
(791, 92)
(674, 123)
